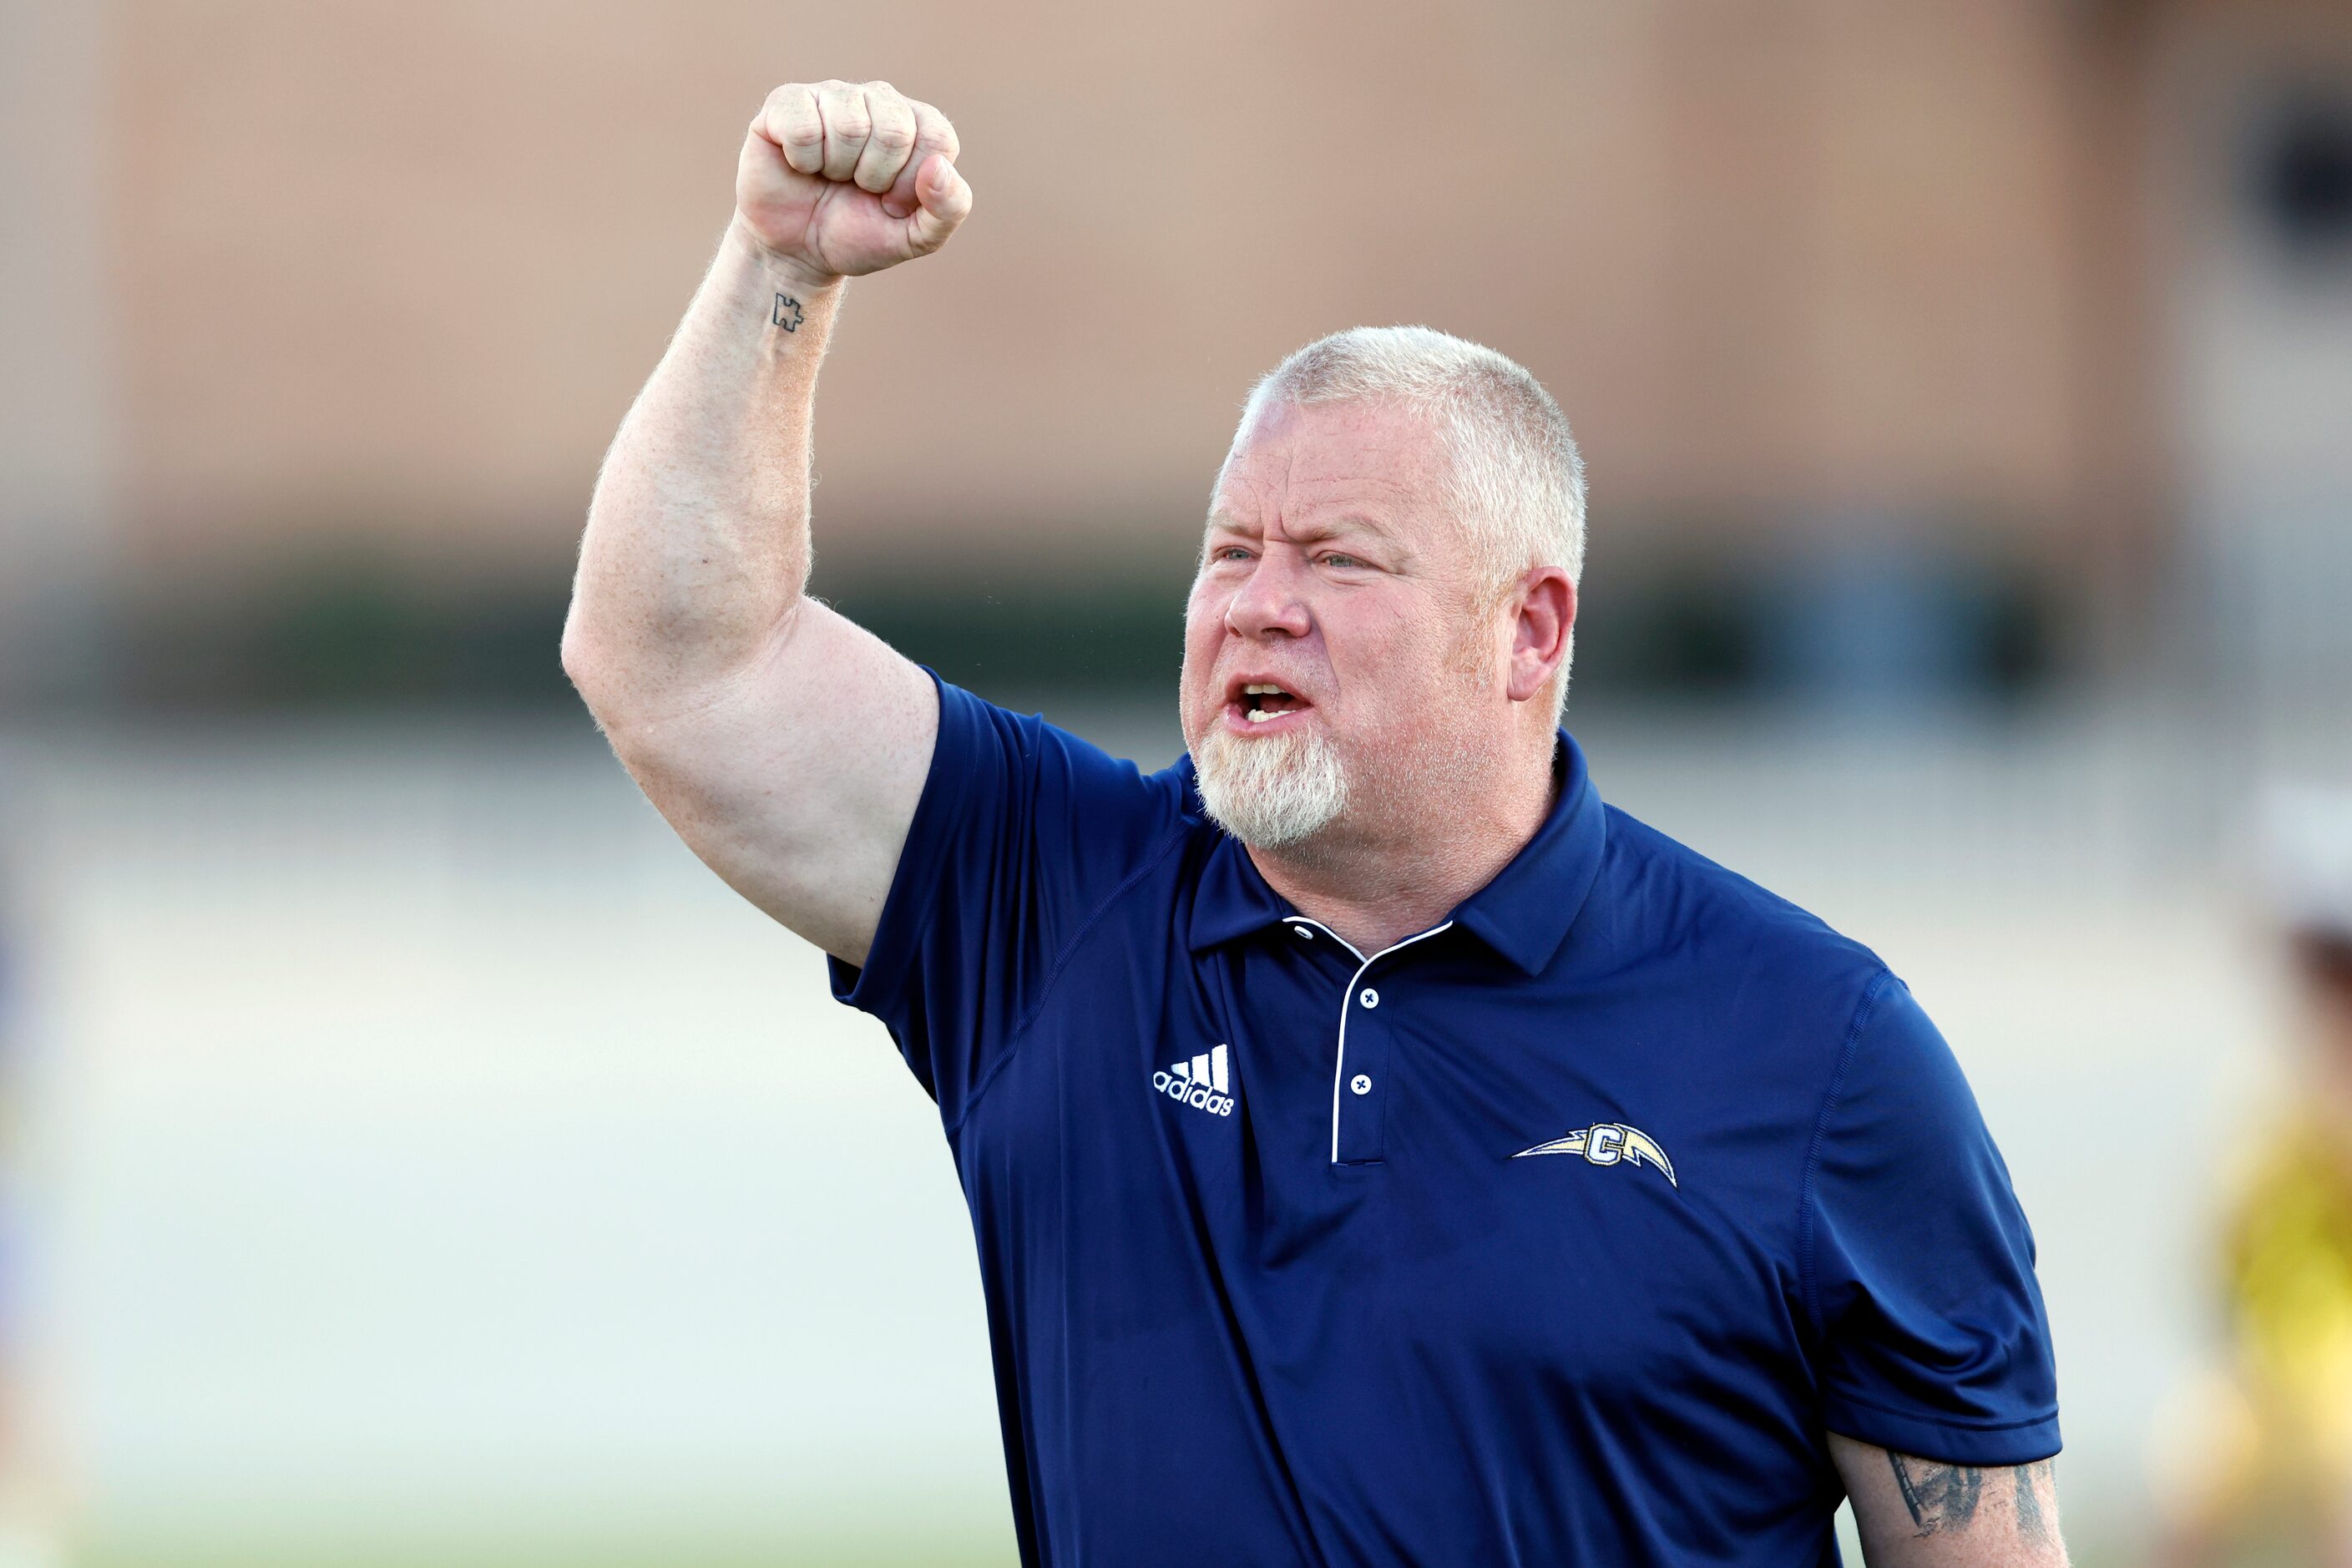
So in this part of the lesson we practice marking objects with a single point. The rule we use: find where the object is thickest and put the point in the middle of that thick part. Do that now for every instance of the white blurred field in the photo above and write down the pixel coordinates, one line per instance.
(424, 1152)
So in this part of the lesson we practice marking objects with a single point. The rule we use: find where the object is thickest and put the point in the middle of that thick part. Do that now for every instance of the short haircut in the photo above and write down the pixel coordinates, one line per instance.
(1517, 485)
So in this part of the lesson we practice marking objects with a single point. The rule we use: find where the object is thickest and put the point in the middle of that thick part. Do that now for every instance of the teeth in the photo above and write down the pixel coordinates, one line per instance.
(1260, 690)
(1260, 715)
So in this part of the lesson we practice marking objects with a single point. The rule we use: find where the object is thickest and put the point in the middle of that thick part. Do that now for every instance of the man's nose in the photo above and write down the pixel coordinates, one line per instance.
(1271, 601)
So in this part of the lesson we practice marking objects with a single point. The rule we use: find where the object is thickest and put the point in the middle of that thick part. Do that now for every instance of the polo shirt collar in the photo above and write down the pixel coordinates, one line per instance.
(1523, 913)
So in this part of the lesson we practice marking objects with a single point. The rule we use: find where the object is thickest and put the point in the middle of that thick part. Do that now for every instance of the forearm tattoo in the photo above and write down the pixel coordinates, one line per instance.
(1943, 1497)
(787, 313)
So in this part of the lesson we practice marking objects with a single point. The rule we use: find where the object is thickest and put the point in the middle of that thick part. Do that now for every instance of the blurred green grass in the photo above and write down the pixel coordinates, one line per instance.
(902, 1551)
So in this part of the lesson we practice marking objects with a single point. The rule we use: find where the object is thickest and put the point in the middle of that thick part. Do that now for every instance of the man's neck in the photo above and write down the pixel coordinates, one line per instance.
(1376, 889)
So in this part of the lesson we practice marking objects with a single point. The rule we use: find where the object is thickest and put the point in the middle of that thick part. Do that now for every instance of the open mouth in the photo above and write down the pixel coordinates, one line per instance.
(1262, 702)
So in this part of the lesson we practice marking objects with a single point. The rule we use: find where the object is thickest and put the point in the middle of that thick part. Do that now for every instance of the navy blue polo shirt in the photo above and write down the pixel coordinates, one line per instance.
(1559, 1233)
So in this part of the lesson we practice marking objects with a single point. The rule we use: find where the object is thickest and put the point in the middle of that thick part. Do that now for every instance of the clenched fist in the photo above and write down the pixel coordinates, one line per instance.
(842, 178)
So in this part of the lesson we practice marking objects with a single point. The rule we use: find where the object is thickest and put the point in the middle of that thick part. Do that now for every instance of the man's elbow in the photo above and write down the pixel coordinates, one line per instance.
(589, 664)
(638, 670)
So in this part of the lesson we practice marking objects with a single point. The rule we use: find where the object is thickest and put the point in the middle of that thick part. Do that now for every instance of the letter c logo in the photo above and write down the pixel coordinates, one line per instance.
(1604, 1143)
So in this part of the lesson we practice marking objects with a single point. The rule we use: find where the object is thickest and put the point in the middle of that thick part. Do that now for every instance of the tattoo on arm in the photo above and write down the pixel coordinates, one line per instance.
(1940, 1497)
(2033, 1519)
(787, 313)
(1943, 1497)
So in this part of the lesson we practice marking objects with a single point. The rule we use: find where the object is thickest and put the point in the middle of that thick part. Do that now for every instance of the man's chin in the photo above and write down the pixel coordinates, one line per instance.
(1271, 790)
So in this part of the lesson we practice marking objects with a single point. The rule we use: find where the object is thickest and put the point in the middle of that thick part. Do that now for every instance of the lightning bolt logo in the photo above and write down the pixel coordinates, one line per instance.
(1607, 1143)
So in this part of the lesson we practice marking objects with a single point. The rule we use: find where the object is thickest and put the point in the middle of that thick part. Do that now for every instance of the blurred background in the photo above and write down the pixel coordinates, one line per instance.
(412, 1155)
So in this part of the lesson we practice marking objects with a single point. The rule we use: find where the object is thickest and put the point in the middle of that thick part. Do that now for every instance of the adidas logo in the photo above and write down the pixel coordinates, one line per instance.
(1199, 1083)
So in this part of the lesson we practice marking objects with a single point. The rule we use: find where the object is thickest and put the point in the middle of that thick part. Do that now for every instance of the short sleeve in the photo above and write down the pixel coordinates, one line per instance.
(1931, 1328)
(1024, 832)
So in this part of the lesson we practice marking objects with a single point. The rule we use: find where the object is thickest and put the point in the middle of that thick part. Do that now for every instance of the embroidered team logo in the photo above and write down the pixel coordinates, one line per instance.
(1199, 1083)
(1606, 1144)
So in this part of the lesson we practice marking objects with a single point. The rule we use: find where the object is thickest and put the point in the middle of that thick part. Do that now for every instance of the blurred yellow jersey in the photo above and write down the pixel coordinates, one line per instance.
(2289, 1280)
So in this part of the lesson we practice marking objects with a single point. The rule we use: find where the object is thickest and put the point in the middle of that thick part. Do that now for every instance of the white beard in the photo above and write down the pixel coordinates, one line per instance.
(1270, 791)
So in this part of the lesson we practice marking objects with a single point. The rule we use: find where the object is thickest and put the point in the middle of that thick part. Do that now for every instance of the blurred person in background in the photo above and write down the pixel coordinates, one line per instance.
(30, 1504)
(2263, 1461)
(1378, 1150)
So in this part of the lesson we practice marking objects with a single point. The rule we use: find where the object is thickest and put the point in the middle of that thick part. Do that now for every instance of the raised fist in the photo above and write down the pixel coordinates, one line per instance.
(842, 178)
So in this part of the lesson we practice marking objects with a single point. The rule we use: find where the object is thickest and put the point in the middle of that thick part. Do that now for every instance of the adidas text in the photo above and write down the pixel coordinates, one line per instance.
(1199, 1083)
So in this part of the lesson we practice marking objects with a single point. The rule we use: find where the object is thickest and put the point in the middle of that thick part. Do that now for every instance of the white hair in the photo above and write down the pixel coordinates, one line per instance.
(1270, 789)
(1517, 481)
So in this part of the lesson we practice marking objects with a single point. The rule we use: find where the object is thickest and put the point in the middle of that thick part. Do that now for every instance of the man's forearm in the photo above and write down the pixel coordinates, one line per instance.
(787, 747)
(697, 547)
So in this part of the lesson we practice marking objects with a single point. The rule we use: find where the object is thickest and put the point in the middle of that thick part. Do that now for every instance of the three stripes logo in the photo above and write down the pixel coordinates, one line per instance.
(1199, 1083)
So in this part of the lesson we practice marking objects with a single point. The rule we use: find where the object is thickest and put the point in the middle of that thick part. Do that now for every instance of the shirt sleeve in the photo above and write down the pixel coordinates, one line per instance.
(1023, 834)
(1932, 1335)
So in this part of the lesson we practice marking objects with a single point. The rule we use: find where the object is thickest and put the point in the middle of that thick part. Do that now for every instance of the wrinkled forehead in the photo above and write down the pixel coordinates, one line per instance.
(1291, 462)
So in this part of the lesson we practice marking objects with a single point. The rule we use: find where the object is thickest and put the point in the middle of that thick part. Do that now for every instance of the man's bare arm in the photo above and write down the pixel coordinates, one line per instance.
(1924, 1513)
(787, 746)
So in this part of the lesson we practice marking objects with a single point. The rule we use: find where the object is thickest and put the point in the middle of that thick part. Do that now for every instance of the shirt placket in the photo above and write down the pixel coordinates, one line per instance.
(1361, 1053)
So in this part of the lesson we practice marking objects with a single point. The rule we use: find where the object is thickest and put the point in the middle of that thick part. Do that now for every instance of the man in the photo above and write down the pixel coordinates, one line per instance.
(1380, 1150)
(2266, 1472)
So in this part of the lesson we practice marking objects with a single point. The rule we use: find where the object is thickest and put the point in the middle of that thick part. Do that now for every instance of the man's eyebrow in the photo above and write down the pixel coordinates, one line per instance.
(1344, 523)
(1309, 532)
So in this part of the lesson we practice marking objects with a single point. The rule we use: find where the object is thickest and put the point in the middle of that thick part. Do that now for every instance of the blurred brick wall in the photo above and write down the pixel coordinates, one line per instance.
(388, 274)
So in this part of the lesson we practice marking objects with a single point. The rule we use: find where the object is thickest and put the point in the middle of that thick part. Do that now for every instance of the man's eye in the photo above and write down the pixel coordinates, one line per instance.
(1336, 559)
(1232, 552)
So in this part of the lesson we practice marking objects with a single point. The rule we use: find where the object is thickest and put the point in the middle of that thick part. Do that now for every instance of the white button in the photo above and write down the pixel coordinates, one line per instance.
(1361, 1084)
(1304, 931)
(1371, 998)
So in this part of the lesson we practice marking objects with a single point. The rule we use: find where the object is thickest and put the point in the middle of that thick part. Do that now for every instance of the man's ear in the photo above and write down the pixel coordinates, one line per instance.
(1546, 601)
